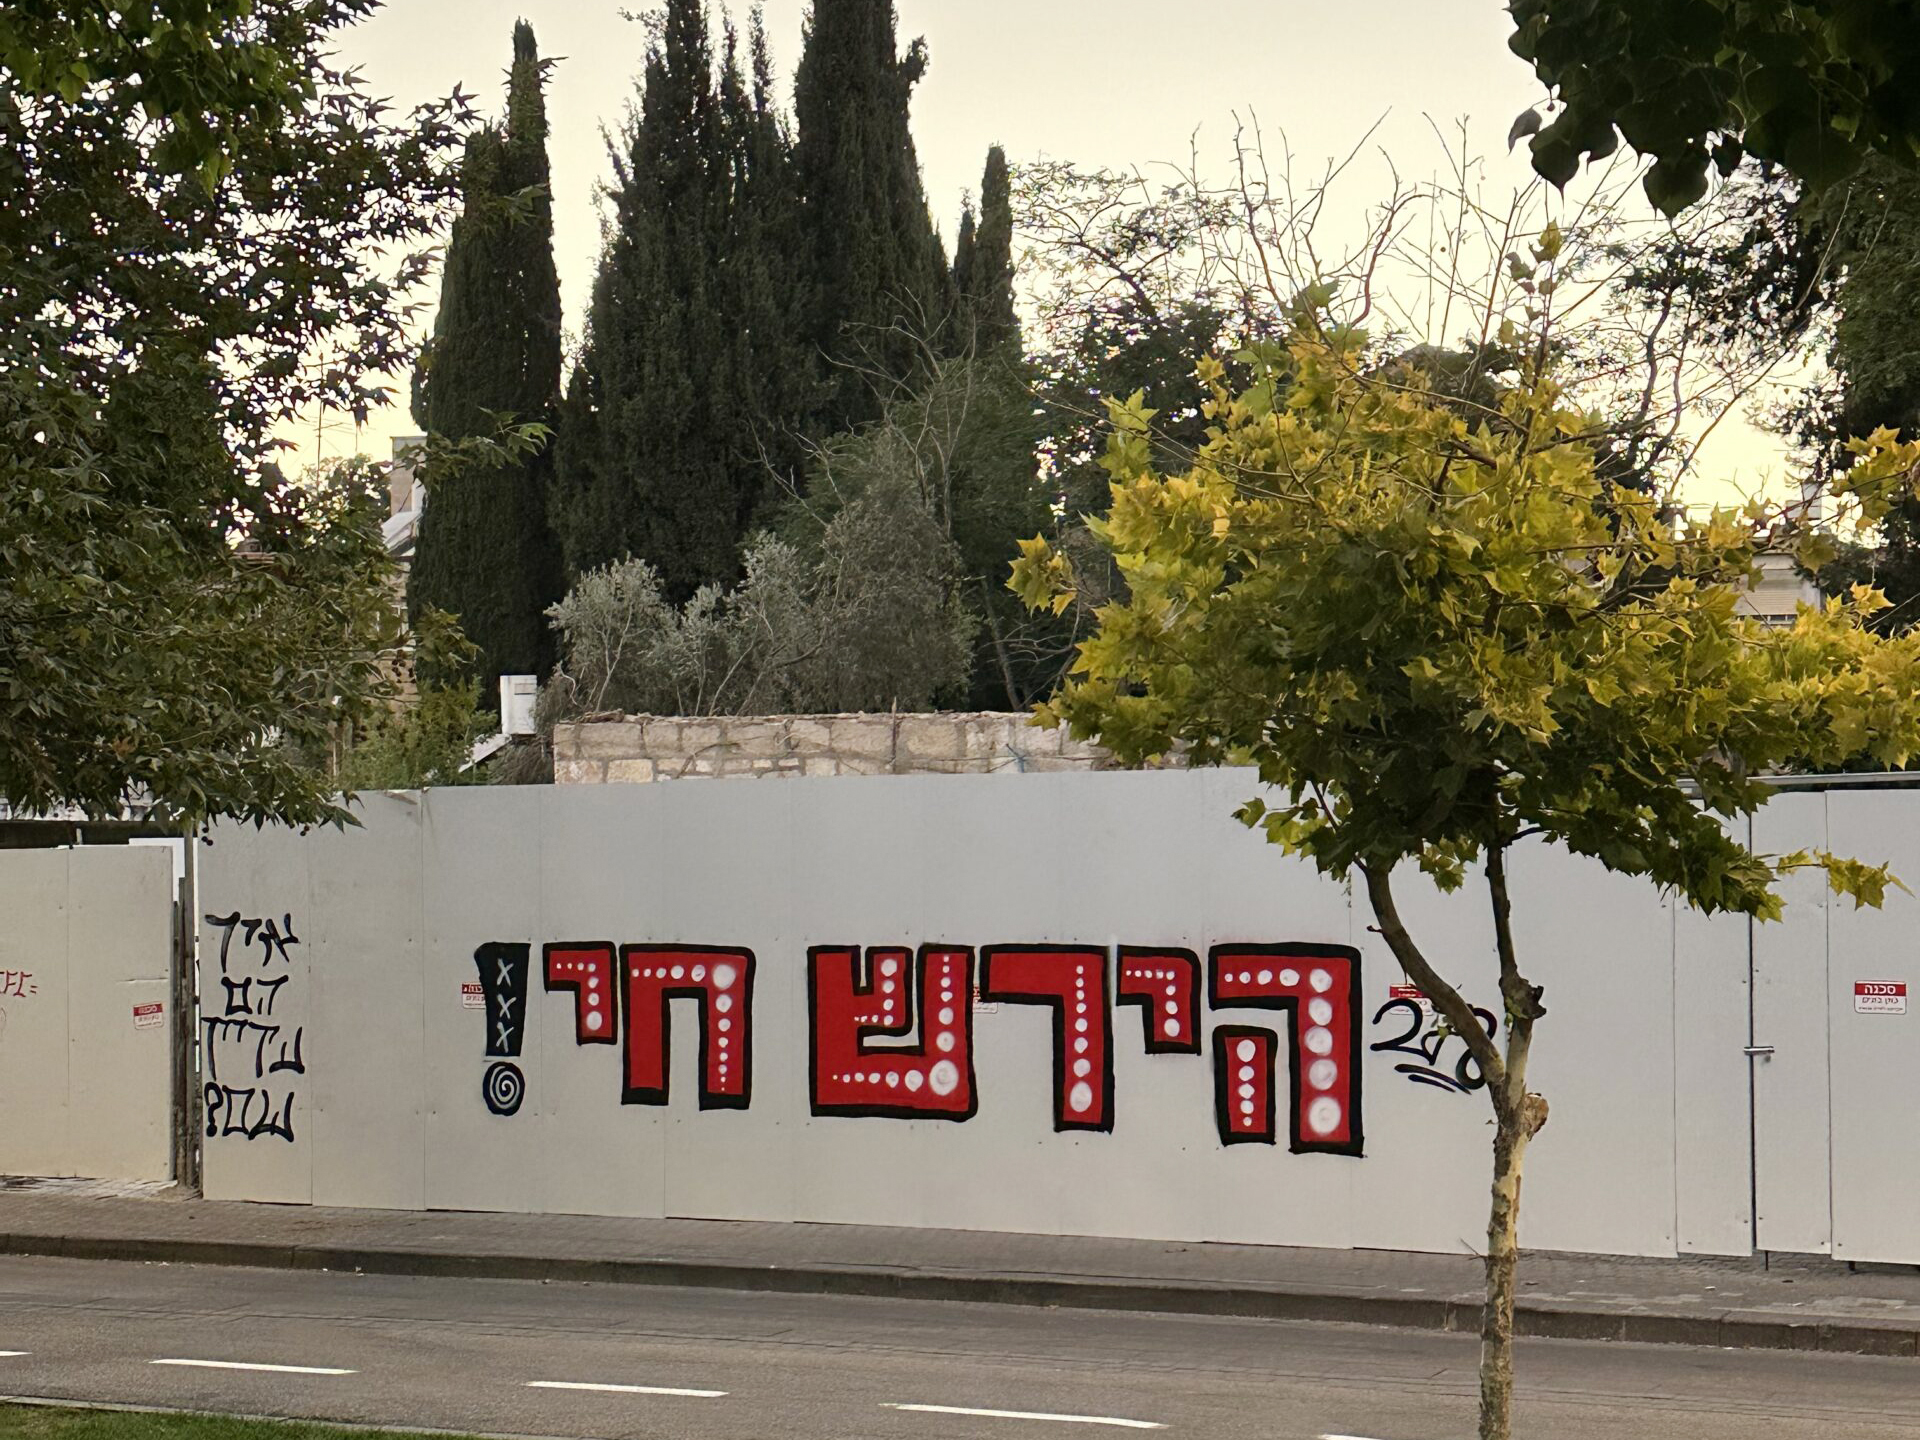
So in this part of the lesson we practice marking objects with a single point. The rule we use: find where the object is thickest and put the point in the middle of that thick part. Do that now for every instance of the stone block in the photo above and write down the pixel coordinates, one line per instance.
(821, 765)
(929, 737)
(809, 737)
(862, 765)
(630, 772)
(863, 737)
(699, 736)
(608, 739)
(579, 772)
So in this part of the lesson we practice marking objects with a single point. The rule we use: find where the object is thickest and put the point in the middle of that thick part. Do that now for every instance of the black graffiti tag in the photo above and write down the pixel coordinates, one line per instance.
(1425, 1038)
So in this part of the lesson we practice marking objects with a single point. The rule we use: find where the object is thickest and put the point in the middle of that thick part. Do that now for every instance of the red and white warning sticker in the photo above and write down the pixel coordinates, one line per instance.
(146, 1017)
(1879, 997)
(1409, 992)
(472, 997)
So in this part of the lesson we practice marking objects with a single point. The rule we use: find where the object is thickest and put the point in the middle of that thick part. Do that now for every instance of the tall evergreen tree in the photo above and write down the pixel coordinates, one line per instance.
(880, 276)
(485, 551)
(692, 375)
(983, 262)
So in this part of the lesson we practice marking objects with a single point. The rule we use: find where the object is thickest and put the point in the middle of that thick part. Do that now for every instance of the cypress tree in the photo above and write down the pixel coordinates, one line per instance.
(878, 267)
(484, 550)
(985, 282)
(691, 374)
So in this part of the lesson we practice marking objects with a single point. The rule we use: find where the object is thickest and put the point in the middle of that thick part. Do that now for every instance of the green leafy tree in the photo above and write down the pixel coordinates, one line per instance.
(1818, 86)
(208, 230)
(485, 552)
(880, 276)
(1437, 637)
(692, 366)
(426, 737)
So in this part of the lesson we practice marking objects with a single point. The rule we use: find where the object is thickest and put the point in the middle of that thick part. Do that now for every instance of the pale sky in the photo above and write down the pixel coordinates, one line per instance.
(1122, 83)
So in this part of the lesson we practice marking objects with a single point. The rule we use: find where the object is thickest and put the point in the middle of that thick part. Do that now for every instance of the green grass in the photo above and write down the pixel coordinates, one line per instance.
(46, 1422)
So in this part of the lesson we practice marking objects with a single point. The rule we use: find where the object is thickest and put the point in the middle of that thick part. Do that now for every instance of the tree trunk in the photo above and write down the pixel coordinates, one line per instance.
(1517, 1118)
(1510, 1140)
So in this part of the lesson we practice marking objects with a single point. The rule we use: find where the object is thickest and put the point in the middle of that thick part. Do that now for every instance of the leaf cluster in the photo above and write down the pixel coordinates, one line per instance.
(1435, 632)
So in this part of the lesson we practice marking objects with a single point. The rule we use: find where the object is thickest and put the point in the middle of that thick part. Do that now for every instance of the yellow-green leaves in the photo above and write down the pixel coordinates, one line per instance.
(1434, 631)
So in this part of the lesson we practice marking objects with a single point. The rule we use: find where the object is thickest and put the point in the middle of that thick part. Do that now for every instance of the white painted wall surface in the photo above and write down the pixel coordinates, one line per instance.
(388, 1110)
(85, 955)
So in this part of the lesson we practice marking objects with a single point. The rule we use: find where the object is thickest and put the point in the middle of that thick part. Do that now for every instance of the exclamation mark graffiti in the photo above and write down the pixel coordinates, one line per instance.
(503, 980)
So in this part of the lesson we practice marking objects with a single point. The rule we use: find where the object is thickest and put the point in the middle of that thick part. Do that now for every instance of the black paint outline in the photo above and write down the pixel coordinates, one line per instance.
(865, 980)
(615, 975)
(1058, 1004)
(1223, 1038)
(503, 1068)
(695, 990)
(1279, 952)
(1156, 1045)
(518, 955)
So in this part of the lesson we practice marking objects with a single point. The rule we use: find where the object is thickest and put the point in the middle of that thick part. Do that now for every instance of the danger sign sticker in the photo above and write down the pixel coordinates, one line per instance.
(1879, 997)
(146, 1017)
(472, 997)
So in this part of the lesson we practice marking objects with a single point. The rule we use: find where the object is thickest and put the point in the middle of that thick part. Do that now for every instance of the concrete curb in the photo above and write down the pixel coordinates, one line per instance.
(1540, 1317)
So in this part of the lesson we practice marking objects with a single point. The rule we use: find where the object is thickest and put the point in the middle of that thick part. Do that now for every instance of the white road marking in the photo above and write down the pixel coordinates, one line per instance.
(625, 1389)
(1346, 1437)
(1033, 1415)
(13, 1354)
(242, 1365)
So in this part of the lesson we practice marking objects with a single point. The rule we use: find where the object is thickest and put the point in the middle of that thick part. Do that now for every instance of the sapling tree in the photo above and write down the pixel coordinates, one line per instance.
(1437, 629)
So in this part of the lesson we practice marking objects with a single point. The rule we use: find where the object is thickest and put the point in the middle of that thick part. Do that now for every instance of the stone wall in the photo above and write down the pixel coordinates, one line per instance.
(648, 748)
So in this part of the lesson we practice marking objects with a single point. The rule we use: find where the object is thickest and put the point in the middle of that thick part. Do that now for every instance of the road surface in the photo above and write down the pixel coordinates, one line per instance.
(609, 1362)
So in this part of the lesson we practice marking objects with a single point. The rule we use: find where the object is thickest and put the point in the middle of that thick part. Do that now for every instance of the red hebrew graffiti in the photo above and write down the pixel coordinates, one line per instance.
(587, 970)
(1319, 988)
(722, 981)
(1073, 981)
(1165, 984)
(1243, 1083)
(851, 1004)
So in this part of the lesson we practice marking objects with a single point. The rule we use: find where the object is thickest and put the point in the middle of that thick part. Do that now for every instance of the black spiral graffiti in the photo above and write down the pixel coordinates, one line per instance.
(504, 1088)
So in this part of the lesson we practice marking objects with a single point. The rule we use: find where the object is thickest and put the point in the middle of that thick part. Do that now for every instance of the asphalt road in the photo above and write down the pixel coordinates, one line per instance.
(511, 1358)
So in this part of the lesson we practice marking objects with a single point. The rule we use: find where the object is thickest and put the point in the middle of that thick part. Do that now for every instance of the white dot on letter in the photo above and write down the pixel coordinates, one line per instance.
(944, 1041)
(1080, 1098)
(724, 976)
(1246, 1107)
(1266, 977)
(889, 966)
(1320, 1040)
(1080, 1045)
(1081, 1026)
(1246, 1092)
(1319, 1010)
(1323, 1116)
(1246, 1072)
(1083, 1067)
(915, 1080)
(679, 971)
(1322, 1074)
(1289, 977)
(1173, 1007)
(723, 1003)
(893, 1078)
(1320, 980)
(945, 1017)
(699, 972)
(944, 1077)
(724, 1024)
(1246, 1050)
(1172, 1027)
(593, 1020)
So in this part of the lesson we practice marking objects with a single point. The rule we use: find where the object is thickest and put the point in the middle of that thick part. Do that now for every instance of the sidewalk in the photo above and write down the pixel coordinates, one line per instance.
(1797, 1305)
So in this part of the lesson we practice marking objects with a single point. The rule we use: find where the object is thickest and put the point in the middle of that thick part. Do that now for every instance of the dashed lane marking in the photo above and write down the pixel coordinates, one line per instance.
(625, 1389)
(244, 1365)
(1112, 1420)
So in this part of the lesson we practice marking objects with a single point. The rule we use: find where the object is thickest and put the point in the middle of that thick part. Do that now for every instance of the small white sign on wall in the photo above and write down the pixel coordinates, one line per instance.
(472, 997)
(149, 1017)
(1879, 997)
